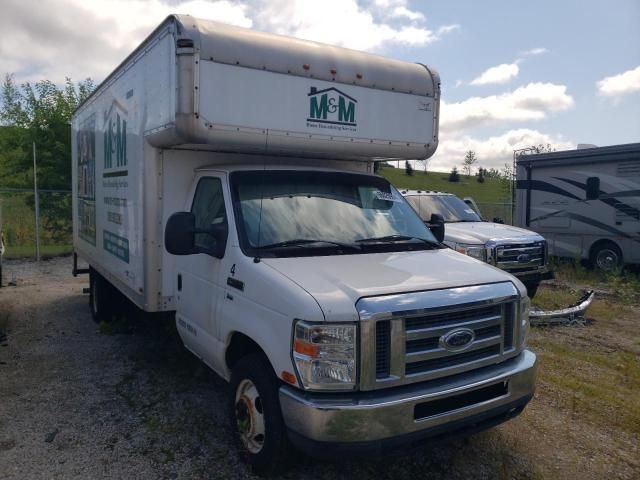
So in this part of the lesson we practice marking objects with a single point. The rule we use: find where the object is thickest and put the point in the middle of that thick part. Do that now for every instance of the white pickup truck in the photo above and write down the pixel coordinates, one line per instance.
(521, 252)
(225, 176)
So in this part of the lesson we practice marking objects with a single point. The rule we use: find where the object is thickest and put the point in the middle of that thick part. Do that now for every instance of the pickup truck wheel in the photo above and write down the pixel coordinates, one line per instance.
(532, 289)
(100, 297)
(256, 415)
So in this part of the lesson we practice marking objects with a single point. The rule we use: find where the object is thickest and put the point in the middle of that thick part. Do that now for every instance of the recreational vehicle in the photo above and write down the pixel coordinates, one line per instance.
(585, 202)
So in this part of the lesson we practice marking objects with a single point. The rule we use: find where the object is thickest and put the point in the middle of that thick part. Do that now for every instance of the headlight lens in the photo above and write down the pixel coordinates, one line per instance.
(479, 252)
(325, 355)
(525, 305)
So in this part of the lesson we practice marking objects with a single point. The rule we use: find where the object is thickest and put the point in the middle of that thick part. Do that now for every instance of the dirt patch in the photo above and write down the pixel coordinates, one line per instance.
(78, 403)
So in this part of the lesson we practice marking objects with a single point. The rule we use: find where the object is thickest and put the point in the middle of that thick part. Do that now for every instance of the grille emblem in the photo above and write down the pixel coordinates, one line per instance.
(457, 340)
(524, 258)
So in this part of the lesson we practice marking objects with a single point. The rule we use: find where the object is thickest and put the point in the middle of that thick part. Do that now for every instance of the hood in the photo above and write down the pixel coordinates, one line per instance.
(481, 232)
(337, 282)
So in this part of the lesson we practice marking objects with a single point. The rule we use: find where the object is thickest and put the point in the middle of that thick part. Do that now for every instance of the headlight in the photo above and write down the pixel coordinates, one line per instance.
(325, 355)
(525, 304)
(479, 252)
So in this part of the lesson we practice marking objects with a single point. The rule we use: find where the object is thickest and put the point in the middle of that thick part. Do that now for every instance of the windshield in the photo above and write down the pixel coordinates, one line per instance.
(450, 207)
(295, 213)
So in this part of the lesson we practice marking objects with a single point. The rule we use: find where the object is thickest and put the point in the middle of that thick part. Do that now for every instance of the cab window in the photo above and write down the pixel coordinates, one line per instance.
(208, 209)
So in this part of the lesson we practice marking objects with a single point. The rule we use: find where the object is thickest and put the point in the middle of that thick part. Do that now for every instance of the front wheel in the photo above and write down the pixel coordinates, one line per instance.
(256, 415)
(532, 288)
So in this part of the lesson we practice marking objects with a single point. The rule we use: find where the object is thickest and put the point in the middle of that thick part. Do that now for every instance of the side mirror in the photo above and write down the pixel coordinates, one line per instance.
(497, 220)
(436, 225)
(593, 188)
(179, 234)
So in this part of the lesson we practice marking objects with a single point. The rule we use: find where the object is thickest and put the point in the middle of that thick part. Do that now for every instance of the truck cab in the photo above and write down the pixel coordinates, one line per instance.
(521, 252)
(336, 315)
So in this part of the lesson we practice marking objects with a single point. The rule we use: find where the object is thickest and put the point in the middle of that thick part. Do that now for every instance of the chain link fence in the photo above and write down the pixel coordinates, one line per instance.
(18, 222)
(503, 211)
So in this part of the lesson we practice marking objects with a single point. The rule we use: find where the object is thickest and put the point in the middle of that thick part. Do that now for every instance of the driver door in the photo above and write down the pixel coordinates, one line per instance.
(198, 276)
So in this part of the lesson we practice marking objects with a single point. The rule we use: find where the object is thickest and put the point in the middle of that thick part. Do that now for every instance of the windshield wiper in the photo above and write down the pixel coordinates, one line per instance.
(396, 238)
(297, 242)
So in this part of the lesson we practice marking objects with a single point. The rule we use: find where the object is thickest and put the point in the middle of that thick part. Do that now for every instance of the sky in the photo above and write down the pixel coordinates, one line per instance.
(514, 73)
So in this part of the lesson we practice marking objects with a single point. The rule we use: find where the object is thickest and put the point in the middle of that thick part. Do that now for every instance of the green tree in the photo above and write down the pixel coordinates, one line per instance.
(469, 160)
(507, 181)
(40, 113)
(408, 169)
(454, 176)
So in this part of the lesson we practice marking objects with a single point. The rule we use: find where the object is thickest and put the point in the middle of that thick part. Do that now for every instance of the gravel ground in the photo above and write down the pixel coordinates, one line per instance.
(76, 402)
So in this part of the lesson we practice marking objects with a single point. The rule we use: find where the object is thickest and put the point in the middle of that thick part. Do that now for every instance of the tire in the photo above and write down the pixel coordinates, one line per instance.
(532, 288)
(100, 297)
(256, 416)
(606, 256)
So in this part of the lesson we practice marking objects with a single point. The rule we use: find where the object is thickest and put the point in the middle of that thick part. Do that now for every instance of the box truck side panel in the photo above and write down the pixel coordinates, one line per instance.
(109, 167)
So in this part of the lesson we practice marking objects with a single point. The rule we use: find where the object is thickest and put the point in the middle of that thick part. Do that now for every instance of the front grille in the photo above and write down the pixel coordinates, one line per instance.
(421, 336)
(520, 257)
(383, 348)
(493, 335)
(453, 360)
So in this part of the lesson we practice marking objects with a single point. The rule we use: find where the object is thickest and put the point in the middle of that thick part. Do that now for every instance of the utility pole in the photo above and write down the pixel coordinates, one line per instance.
(37, 203)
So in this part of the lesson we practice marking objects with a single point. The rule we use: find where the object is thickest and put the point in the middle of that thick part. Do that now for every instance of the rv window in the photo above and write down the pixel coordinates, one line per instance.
(593, 188)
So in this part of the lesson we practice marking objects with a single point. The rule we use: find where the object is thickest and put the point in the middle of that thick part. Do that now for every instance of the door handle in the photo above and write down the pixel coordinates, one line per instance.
(179, 282)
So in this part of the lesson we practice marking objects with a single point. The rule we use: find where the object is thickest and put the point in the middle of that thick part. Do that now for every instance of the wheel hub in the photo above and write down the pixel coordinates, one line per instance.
(250, 416)
(607, 259)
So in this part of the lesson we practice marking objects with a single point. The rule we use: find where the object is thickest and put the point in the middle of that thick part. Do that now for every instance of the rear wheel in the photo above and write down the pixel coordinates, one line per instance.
(606, 256)
(256, 414)
(100, 297)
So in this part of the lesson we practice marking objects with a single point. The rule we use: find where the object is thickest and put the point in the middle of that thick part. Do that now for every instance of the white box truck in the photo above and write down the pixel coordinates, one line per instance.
(225, 175)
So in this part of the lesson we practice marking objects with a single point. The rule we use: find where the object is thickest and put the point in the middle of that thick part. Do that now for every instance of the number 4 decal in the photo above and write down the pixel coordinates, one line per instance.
(233, 270)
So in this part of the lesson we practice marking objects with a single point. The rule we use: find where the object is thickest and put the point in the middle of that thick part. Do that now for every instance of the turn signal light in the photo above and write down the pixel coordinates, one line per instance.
(308, 349)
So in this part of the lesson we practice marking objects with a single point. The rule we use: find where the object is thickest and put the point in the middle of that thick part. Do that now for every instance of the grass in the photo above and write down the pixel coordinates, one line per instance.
(491, 191)
(46, 251)
(17, 222)
(592, 372)
(600, 385)
(622, 283)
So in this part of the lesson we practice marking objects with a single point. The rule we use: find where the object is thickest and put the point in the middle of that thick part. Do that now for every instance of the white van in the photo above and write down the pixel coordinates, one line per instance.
(226, 175)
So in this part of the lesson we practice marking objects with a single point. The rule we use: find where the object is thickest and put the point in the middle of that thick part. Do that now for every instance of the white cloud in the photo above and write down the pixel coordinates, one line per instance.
(443, 30)
(492, 152)
(499, 74)
(82, 39)
(77, 38)
(530, 102)
(351, 24)
(621, 84)
(534, 51)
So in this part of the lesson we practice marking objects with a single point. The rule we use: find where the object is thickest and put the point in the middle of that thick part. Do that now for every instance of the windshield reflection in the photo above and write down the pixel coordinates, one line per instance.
(450, 207)
(282, 206)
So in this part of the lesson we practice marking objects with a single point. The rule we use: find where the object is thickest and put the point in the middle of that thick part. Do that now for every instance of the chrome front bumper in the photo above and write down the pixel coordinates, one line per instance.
(385, 414)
